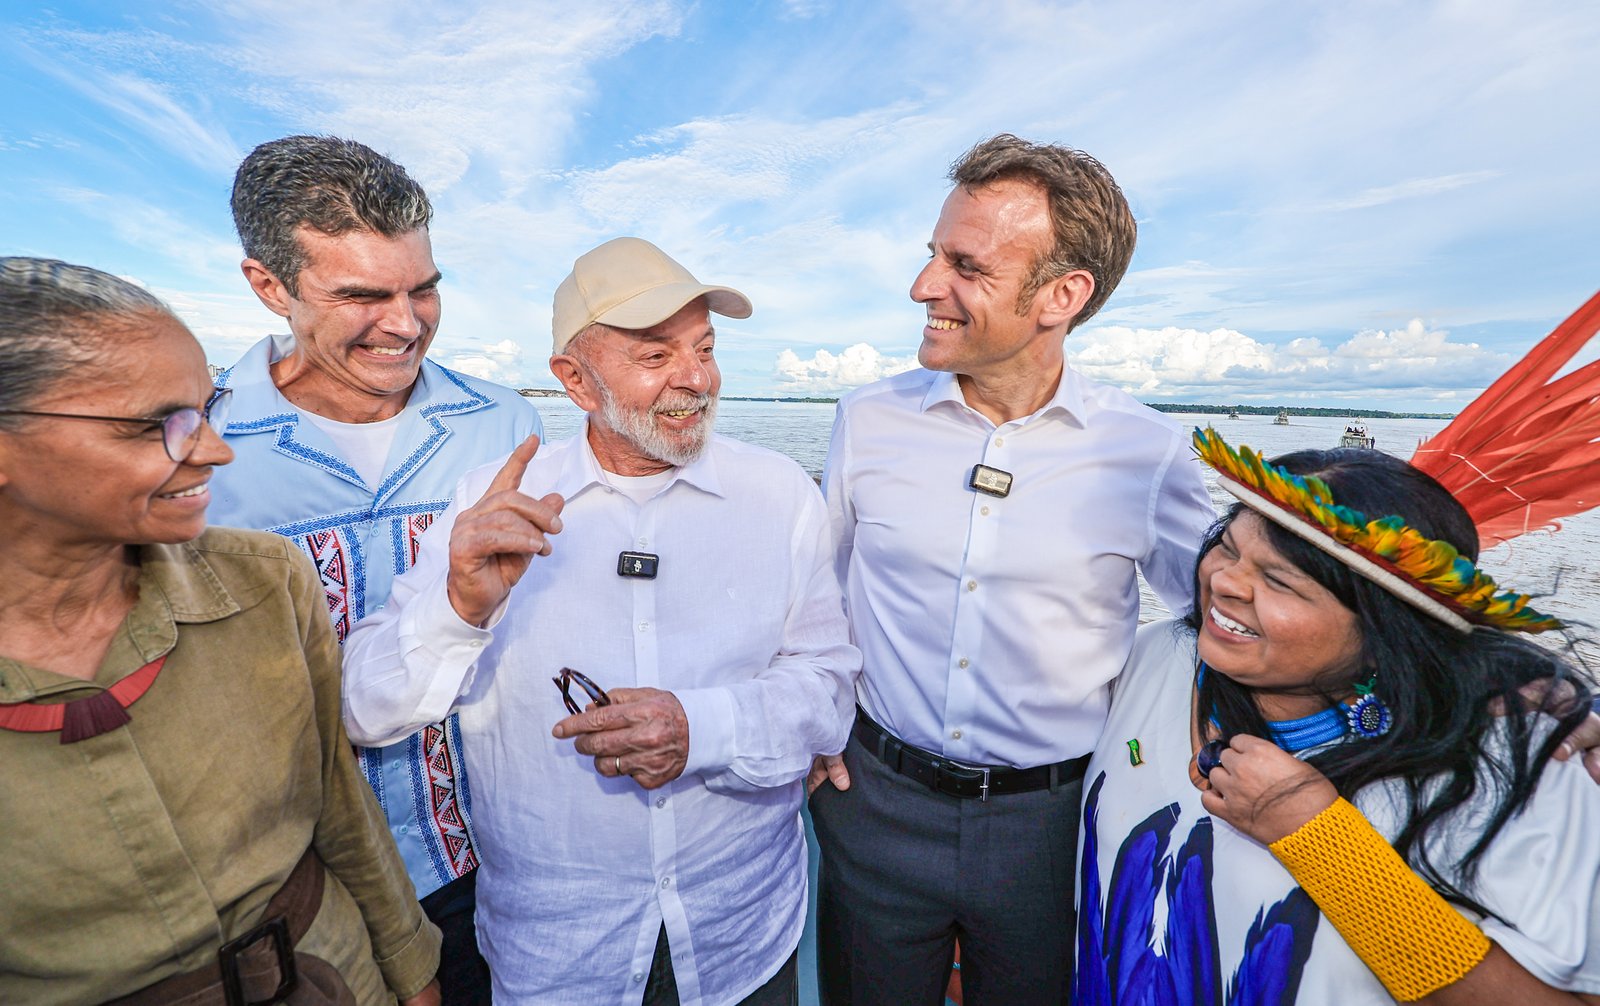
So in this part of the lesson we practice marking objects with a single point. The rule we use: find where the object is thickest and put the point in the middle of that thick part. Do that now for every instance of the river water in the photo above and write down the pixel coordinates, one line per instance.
(1561, 567)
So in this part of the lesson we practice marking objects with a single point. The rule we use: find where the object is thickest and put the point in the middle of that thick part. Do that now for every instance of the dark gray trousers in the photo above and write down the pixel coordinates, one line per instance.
(906, 871)
(782, 989)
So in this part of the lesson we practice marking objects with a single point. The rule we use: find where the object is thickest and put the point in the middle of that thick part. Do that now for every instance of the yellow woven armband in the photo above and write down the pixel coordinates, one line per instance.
(1399, 926)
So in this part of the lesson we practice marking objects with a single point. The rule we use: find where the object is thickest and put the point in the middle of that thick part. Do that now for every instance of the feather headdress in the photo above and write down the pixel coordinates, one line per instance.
(1426, 573)
(1523, 455)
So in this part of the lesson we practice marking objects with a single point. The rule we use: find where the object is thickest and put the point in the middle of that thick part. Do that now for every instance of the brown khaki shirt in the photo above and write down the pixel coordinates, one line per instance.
(135, 854)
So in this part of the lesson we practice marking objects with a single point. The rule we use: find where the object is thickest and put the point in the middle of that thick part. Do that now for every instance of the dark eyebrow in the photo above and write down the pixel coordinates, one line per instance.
(356, 291)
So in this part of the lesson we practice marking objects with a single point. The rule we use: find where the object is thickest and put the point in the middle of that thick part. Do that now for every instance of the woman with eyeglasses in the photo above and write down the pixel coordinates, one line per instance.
(183, 818)
(1325, 785)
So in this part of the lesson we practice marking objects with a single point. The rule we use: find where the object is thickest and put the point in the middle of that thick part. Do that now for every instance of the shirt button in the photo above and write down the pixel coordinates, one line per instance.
(963, 663)
(643, 542)
(972, 584)
(999, 441)
(476, 644)
(644, 626)
(984, 511)
(638, 976)
(661, 801)
(404, 829)
(955, 735)
(666, 882)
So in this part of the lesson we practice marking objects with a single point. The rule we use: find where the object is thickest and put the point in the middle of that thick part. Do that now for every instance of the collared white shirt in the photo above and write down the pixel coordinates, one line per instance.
(743, 623)
(990, 627)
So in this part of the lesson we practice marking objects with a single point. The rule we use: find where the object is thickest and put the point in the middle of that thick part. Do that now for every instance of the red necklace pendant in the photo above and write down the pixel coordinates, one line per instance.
(81, 719)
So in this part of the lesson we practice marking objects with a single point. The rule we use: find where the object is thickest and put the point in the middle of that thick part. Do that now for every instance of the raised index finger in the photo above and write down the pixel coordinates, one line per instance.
(510, 474)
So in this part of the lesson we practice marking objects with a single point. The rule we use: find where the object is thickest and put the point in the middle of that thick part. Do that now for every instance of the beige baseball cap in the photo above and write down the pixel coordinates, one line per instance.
(630, 283)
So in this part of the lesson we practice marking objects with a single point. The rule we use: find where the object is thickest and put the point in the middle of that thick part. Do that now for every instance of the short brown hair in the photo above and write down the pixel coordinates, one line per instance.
(1093, 226)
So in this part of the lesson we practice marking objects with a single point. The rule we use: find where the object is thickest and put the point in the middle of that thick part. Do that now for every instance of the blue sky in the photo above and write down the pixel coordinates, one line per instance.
(1365, 204)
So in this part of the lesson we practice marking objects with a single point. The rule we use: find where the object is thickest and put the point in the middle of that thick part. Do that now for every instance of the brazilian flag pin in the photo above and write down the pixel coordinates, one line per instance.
(1135, 756)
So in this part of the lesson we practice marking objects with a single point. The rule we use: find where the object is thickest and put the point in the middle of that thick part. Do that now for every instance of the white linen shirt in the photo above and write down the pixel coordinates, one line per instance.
(989, 627)
(743, 623)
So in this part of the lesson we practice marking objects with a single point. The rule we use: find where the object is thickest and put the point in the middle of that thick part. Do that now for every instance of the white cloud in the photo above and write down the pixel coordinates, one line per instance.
(827, 373)
(154, 107)
(1226, 365)
(226, 324)
(500, 362)
(490, 90)
(801, 10)
(157, 231)
(1414, 188)
(803, 162)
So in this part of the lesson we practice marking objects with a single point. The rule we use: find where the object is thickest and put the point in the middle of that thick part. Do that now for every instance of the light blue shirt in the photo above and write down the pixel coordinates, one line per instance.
(288, 477)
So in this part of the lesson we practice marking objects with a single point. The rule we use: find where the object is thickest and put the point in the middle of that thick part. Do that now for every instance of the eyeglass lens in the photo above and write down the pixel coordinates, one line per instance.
(180, 431)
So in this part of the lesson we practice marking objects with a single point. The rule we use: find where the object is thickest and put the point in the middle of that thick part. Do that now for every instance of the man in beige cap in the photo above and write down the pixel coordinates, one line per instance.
(680, 585)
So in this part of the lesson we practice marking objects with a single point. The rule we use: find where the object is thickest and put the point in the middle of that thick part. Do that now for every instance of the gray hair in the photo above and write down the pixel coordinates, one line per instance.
(52, 315)
(329, 184)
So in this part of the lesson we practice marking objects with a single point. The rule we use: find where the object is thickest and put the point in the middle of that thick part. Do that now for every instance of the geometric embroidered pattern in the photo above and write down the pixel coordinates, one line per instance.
(444, 807)
(327, 550)
(415, 525)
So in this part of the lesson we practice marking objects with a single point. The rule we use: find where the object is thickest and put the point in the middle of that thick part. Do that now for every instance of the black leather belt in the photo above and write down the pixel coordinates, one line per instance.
(967, 782)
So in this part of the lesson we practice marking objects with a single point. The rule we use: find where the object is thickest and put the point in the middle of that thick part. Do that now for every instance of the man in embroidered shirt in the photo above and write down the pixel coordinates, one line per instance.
(349, 441)
(650, 849)
(989, 513)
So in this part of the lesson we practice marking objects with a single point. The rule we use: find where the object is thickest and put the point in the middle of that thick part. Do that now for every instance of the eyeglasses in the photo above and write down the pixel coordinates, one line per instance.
(180, 430)
(564, 681)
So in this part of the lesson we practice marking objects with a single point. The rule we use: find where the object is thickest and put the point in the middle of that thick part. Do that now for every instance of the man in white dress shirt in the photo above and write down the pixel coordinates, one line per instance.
(990, 512)
(649, 849)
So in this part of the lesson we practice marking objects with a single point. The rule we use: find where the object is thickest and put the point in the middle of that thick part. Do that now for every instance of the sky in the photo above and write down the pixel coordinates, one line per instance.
(1376, 205)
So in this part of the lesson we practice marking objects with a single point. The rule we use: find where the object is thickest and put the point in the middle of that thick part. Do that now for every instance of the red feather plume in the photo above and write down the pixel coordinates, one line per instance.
(1526, 452)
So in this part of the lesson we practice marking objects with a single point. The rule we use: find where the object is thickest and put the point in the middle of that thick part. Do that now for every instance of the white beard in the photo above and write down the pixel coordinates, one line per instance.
(638, 427)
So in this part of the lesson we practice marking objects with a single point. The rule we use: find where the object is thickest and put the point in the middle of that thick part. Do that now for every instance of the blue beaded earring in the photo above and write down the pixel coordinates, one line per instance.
(1368, 716)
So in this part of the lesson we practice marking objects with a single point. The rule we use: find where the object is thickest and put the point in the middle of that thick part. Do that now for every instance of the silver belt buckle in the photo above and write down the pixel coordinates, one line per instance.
(983, 784)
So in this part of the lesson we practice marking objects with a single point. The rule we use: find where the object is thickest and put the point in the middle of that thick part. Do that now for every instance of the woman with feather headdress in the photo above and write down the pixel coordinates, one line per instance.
(1327, 783)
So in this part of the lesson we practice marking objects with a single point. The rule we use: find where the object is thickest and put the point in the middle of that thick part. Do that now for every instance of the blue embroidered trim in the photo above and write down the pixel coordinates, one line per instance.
(422, 818)
(425, 449)
(261, 425)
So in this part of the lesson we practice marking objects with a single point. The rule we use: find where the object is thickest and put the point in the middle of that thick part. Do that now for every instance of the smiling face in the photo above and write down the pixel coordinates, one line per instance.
(367, 310)
(651, 394)
(1271, 627)
(984, 249)
(75, 482)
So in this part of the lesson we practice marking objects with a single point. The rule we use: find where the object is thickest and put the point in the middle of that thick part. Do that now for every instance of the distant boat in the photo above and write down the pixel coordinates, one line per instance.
(1282, 418)
(1355, 435)
(1233, 413)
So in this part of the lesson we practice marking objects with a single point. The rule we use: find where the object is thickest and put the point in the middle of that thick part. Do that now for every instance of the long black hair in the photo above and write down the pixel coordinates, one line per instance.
(1440, 684)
